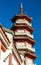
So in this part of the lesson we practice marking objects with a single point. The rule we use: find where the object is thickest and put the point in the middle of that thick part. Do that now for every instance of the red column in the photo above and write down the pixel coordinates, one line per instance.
(10, 59)
(18, 63)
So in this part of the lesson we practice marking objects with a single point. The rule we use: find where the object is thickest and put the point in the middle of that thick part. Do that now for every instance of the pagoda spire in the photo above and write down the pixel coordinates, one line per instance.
(21, 9)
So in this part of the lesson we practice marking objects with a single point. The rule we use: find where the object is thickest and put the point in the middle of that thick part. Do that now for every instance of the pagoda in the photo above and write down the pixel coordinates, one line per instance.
(23, 38)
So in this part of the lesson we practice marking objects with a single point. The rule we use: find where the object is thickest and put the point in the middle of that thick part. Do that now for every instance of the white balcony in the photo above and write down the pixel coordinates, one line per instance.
(23, 33)
(25, 22)
(30, 64)
(26, 47)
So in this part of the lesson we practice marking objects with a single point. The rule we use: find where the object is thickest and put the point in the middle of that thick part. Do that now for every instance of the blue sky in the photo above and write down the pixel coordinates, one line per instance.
(9, 8)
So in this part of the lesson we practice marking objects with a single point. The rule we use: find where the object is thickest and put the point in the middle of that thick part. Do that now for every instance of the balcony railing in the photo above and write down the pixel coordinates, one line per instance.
(30, 64)
(23, 22)
(23, 33)
(26, 47)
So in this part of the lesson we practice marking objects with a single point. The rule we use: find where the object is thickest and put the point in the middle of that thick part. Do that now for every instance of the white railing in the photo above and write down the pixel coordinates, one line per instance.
(23, 33)
(26, 47)
(30, 64)
(24, 22)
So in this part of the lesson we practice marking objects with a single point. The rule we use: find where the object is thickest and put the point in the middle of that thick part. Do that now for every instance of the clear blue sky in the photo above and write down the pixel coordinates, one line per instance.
(8, 8)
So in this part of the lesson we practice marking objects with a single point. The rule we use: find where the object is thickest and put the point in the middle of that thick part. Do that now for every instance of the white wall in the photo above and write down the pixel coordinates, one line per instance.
(14, 61)
(1, 59)
(10, 36)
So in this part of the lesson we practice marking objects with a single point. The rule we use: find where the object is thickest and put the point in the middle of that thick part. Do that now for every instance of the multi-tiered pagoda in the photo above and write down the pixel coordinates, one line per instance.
(23, 38)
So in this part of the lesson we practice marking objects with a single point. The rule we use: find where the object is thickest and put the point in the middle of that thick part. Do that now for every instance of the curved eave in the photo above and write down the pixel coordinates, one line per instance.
(31, 55)
(24, 41)
(29, 28)
(3, 46)
(25, 38)
(4, 34)
(21, 17)
(8, 30)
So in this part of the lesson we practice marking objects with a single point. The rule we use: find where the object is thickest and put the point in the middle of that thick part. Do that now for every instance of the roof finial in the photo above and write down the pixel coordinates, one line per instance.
(21, 4)
(21, 9)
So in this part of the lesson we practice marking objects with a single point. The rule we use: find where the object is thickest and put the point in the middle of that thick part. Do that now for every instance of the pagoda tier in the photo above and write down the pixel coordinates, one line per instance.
(21, 17)
(28, 54)
(24, 45)
(31, 55)
(26, 48)
(23, 40)
(29, 28)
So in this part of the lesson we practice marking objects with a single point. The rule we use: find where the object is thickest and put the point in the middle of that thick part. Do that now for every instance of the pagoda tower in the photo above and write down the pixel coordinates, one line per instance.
(23, 37)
